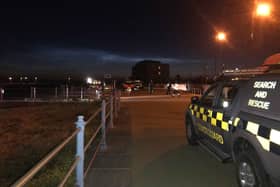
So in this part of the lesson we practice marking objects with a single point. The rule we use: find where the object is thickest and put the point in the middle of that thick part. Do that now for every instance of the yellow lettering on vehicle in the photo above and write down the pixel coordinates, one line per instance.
(211, 133)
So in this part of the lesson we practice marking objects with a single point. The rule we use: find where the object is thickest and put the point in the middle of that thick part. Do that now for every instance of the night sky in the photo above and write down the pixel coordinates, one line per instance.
(93, 38)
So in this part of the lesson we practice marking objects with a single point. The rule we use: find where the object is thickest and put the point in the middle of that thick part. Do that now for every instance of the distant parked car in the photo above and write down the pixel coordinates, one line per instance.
(132, 85)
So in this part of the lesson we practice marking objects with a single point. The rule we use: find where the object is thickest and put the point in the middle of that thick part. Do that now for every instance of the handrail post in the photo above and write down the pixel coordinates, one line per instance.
(34, 93)
(115, 103)
(112, 111)
(55, 93)
(119, 100)
(67, 93)
(103, 145)
(1, 94)
(82, 94)
(80, 152)
(31, 92)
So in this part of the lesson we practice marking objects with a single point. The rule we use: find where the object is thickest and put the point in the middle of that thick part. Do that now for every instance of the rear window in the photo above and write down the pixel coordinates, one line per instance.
(261, 96)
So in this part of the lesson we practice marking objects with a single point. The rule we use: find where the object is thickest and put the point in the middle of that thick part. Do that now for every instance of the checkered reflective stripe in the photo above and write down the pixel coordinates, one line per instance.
(217, 119)
(268, 138)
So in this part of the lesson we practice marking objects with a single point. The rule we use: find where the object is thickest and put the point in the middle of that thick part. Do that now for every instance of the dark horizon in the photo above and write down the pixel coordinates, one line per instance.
(92, 39)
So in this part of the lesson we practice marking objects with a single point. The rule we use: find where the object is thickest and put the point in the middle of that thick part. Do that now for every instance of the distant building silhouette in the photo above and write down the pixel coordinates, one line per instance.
(148, 70)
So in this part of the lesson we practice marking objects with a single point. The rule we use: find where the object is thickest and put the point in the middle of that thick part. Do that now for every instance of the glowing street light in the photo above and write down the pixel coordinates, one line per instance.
(221, 37)
(89, 80)
(263, 9)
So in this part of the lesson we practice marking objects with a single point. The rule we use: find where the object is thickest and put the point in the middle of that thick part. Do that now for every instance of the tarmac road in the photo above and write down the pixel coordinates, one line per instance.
(150, 148)
(160, 153)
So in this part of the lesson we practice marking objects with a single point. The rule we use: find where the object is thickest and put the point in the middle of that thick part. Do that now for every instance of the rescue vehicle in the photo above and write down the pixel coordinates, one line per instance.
(238, 119)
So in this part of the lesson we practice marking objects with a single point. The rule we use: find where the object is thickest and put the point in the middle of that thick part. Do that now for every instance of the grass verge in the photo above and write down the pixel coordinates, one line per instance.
(28, 132)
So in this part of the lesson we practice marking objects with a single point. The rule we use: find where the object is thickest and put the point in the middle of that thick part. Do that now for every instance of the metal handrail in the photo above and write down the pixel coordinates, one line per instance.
(107, 104)
(68, 174)
(24, 179)
(92, 137)
(108, 114)
(93, 116)
(81, 149)
(196, 91)
(91, 161)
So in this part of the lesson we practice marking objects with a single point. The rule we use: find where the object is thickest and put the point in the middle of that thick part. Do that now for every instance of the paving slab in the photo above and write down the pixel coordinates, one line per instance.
(109, 177)
(112, 168)
(147, 148)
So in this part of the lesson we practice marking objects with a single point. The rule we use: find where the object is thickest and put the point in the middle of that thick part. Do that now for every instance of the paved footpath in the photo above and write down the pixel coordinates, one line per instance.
(148, 148)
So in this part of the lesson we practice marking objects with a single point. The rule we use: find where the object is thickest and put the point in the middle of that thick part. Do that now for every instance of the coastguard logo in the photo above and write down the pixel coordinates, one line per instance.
(210, 133)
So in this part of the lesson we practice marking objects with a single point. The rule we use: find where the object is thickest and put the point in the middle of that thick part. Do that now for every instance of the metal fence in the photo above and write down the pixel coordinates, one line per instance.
(196, 91)
(108, 111)
(41, 93)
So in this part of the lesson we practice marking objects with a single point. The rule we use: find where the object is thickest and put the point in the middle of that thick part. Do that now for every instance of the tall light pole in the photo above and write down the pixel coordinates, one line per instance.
(221, 38)
(261, 10)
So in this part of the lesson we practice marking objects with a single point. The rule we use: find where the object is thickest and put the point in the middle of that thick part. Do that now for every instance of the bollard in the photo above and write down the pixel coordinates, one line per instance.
(103, 145)
(80, 152)
(112, 111)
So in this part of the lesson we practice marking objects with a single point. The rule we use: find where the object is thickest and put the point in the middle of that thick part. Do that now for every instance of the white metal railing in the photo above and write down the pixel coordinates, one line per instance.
(37, 93)
(196, 91)
(81, 148)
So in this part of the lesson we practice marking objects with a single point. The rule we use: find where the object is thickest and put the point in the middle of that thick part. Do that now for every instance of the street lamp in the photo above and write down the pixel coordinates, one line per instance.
(221, 37)
(263, 9)
(89, 80)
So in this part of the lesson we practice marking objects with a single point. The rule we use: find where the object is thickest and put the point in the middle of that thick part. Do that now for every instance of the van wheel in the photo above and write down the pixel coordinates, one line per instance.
(250, 172)
(190, 133)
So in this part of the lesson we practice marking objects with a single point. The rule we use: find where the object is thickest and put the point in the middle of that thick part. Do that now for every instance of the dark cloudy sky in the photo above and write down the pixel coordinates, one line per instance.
(97, 37)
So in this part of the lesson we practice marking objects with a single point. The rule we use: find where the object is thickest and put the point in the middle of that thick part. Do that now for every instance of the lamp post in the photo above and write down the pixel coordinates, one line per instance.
(221, 38)
(261, 10)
